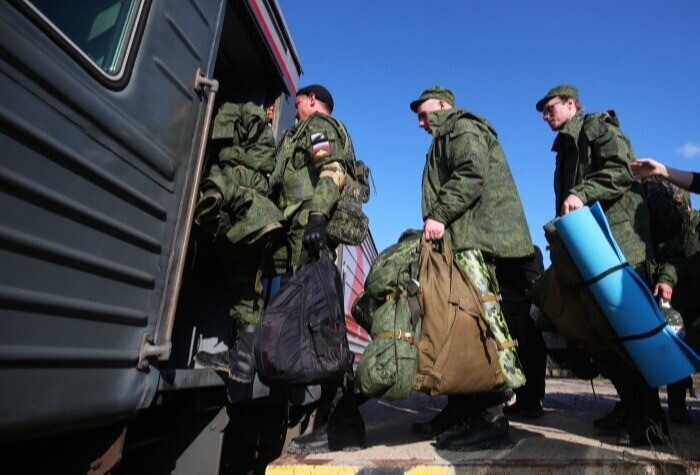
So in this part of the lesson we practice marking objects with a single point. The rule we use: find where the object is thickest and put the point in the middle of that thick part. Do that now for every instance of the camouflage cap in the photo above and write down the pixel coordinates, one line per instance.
(561, 90)
(435, 92)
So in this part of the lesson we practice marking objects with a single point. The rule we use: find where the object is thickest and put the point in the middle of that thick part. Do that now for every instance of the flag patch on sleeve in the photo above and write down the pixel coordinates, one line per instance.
(320, 146)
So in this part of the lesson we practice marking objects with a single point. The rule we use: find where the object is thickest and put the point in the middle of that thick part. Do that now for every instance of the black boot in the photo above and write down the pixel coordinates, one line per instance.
(237, 362)
(453, 414)
(482, 431)
(344, 429)
(677, 410)
(525, 408)
(613, 368)
(643, 432)
(613, 422)
(647, 421)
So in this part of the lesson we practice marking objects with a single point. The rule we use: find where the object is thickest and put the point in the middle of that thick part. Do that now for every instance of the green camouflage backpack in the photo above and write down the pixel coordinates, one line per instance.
(245, 137)
(388, 309)
(349, 224)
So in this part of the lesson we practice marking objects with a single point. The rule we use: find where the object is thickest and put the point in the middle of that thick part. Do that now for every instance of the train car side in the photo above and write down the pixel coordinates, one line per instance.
(104, 113)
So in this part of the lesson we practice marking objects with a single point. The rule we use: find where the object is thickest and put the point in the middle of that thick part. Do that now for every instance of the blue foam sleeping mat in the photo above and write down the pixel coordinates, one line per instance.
(625, 299)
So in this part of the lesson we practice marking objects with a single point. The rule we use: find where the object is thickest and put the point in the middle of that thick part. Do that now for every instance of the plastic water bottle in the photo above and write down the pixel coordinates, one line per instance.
(673, 318)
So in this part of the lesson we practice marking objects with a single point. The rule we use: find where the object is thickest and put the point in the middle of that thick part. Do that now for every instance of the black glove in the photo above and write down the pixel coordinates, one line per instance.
(315, 234)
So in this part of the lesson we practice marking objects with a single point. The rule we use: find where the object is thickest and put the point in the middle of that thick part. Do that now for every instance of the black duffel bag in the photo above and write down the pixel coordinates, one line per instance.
(302, 337)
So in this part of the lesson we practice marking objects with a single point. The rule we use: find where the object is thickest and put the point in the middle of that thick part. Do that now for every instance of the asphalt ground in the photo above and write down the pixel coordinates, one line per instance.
(562, 441)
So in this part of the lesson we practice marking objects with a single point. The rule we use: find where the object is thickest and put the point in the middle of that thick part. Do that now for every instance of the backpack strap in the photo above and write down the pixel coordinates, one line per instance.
(398, 335)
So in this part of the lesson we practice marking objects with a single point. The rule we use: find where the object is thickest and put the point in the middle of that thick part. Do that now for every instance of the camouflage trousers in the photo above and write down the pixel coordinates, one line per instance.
(483, 275)
(245, 284)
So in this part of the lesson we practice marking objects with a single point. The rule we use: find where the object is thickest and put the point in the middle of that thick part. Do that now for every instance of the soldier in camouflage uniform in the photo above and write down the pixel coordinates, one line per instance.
(469, 199)
(685, 299)
(593, 164)
(235, 212)
(677, 229)
(313, 159)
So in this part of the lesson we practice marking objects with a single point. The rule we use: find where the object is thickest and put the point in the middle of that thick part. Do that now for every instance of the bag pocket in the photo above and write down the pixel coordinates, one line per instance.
(329, 342)
(277, 351)
(348, 225)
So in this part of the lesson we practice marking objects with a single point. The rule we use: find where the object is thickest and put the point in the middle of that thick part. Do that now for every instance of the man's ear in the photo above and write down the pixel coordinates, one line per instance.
(312, 99)
(442, 104)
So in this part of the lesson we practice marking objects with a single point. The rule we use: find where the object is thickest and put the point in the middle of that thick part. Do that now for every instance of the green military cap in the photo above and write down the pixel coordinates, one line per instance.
(561, 90)
(435, 92)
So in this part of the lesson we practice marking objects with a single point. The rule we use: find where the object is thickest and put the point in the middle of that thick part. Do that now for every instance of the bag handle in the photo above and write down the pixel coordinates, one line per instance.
(441, 246)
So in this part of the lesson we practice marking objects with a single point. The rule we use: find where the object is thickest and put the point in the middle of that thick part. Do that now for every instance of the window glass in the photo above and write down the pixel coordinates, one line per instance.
(100, 29)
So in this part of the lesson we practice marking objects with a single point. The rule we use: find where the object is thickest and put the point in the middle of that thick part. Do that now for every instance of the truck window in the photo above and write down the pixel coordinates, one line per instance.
(100, 30)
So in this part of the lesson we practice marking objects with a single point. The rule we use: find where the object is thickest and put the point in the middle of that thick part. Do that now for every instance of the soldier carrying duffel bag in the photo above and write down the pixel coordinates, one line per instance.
(469, 200)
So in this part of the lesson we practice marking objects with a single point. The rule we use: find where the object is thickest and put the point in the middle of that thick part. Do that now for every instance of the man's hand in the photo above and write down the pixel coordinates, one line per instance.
(433, 230)
(663, 290)
(315, 233)
(646, 167)
(571, 203)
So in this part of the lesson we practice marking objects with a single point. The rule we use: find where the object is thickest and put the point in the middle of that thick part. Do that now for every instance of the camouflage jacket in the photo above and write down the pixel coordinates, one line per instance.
(467, 185)
(296, 184)
(688, 243)
(593, 163)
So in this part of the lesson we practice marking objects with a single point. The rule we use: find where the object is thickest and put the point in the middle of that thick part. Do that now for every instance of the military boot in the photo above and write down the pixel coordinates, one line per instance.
(644, 432)
(453, 414)
(344, 429)
(677, 410)
(237, 362)
(482, 431)
(613, 422)
(647, 424)
(526, 410)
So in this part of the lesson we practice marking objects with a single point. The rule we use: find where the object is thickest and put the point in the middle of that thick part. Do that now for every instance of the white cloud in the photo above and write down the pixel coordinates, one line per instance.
(689, 150)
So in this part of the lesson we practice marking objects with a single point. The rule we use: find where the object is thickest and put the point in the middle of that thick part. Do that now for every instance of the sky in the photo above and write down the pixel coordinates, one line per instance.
(640, 58)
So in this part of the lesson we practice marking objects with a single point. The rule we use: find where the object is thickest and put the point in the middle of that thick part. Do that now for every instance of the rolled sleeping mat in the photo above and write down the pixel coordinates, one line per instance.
(659, 354)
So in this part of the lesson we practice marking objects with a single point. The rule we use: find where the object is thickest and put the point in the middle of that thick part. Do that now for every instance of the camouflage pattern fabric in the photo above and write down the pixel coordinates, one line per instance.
(388, 366)
(593, 163)
(390, 274)
(245, 285)
(234, 207)
(349, 224)
(467, 185)
(473, 263)
(685, 295)
(245, 137)
(244, 213)
(668, 208)
(296, 185)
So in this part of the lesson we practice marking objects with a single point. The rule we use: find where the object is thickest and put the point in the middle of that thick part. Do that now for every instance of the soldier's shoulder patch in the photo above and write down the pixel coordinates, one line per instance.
(320, 146)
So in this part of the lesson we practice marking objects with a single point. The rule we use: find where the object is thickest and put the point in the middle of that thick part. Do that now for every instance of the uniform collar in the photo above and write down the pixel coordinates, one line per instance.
(571, 131)
(441, 121)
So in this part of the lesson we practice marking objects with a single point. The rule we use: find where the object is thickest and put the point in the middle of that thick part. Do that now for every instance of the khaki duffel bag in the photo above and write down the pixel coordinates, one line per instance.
(458, 353)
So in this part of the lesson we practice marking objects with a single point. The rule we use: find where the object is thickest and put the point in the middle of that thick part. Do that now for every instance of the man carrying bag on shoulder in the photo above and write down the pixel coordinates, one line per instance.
(471, 204)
